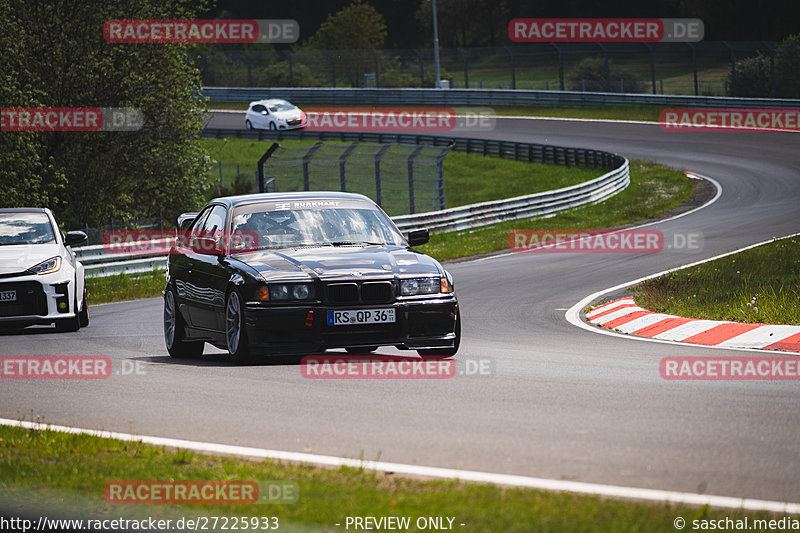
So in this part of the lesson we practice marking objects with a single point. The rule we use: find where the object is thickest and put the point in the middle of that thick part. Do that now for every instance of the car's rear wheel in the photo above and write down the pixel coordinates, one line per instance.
(248, 125)
(235, 331)
(175, 330)
(440, 353)
(361, 350)
(83, 317)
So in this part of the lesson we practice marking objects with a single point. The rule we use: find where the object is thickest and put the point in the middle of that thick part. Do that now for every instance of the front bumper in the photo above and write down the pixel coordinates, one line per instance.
(294, 329)
(40, 299)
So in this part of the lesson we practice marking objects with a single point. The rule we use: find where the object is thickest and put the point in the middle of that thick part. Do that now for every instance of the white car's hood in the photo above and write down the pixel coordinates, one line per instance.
(294, 114)
(18, 257)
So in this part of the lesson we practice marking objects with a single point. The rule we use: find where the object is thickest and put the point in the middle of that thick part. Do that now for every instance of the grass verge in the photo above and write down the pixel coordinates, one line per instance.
(607, 112)
(654, 189)
(123, 286)
(44, 472)
(760, 285)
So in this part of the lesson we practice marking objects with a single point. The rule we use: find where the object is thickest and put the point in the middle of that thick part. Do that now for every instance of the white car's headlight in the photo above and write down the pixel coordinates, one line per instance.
(413, 287)
(47, 267)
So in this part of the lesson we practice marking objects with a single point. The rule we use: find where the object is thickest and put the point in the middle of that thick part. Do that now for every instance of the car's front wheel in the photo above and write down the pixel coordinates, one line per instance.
(272, 126)
(439, 353)
(174, 331)
(235, 331)
(248, 125)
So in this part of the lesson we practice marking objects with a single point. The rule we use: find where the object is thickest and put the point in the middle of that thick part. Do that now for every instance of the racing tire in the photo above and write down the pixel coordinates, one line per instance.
(175, 331)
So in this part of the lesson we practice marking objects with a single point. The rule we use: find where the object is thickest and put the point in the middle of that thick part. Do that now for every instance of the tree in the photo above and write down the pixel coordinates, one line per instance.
(352, 32)
(55, 56)
(753, 77)
(592, 71)
(787, 68)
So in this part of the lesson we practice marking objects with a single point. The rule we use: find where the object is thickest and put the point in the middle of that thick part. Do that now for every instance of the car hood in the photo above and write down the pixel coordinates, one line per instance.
(341, 262)
(20, 257)
(287, 115)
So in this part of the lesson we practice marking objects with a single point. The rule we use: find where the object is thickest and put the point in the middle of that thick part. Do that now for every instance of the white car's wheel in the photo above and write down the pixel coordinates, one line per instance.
(248, 125)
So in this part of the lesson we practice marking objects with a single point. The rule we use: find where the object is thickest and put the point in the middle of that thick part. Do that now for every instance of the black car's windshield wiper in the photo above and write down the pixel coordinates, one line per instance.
(354, 243)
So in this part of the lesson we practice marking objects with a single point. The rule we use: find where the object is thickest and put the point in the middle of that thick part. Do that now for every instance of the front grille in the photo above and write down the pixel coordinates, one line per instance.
(343, 293)
(377, 291)
(31, 299)
(369, 292)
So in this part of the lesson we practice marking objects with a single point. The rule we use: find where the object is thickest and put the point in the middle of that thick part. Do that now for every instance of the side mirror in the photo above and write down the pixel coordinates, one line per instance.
(418, 237)
(185, 220)
(75, 238)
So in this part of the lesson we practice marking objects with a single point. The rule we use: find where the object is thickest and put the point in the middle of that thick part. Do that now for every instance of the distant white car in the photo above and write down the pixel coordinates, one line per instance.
(274, 114)
(41, 281)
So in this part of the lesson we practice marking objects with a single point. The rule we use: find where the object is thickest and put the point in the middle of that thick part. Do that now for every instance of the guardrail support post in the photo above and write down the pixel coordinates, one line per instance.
(342, 162)
(414, 154)
(306, 159)
(378, 185)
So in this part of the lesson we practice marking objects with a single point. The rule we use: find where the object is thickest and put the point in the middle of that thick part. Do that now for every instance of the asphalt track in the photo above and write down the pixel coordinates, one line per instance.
(563, 403)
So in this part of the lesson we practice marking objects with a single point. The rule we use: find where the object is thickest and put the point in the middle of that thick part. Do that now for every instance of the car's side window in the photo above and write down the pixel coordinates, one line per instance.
(215, 220)
(259, 108)
(200, 220)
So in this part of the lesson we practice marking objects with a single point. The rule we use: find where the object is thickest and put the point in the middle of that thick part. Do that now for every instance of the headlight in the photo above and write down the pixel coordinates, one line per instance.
(413, 287)
(294, 291)
(47, 267)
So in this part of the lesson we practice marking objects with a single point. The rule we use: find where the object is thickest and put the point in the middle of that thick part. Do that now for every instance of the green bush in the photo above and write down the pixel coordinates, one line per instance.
(753, 77)
(593, 71)
(787, 68)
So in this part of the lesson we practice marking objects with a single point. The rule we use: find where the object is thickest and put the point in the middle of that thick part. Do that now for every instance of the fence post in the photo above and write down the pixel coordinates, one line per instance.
(378, 156)
(377, 74)
(414, 154)
(697, 87)
(421, 70)
(306, 159)
(771, 67)
(291, 67)
(608, 70)
(652, 66)
(733, 67)
(513, 69)
(560, 65)
(219, 163)
(260, 166)
(333, 68)
(342, 162)
(466, 71)
(440, 176)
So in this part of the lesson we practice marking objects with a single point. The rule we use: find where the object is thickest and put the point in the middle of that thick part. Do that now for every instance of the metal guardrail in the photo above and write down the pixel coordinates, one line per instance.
(544, 203)
(480, 97)
(99, 261)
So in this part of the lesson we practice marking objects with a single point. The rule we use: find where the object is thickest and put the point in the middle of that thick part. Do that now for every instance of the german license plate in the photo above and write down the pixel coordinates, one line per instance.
(352, 317)
(11, 296)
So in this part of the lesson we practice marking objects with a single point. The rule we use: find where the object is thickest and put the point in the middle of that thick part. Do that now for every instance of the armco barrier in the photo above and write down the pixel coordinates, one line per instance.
(99, 262)
(479, 97)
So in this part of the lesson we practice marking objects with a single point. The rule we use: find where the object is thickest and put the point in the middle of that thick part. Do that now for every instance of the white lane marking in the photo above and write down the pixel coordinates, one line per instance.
(613, 491)
(762, 336)
(692, 175)
(689, 329)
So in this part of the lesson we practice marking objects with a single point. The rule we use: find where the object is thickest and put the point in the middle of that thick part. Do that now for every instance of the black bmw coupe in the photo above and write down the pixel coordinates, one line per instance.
(298, 273)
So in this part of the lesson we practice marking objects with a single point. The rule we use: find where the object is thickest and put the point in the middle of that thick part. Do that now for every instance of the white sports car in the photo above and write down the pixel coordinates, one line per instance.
(41, 281)
(274, 114)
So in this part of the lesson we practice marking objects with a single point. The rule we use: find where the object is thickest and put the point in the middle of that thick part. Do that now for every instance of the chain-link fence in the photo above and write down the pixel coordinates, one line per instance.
(702, 68)
(401, 178)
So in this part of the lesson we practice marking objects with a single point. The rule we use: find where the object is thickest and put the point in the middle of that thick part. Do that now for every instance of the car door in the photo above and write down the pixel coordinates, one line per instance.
(209, 276)
(260, 116)
(181, 265)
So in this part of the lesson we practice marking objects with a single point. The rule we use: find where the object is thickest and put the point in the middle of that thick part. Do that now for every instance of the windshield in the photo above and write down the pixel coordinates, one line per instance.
(25, 228)
(316, 222)
(281, 106)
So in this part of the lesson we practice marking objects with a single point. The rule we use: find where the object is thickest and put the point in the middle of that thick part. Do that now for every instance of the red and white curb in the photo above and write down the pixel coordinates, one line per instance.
(623, 315)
